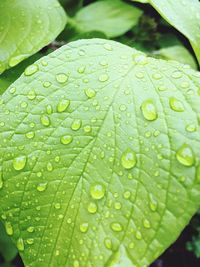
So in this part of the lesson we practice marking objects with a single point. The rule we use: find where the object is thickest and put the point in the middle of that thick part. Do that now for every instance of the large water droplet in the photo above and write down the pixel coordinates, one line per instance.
(176, 104)
(42, 187)
(20, 244)
(97, 191)
(76, 124)
(116, 227)
(66, 139)
(185, 155)
(128, 159)
(62, 78)
(9, 228)
(92, 207)
(45, 120)
(149, 110)
(63, 105)
(19, 163)
(84, 227)
(30, 70)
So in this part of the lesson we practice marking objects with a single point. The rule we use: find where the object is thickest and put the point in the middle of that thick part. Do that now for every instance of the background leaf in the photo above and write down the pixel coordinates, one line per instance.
(176, 13)
(26, 26)
(100, 156)
(104, 16)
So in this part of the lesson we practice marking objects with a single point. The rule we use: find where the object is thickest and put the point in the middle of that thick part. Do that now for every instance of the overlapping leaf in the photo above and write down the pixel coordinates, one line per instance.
(99, 157)
(26, 26)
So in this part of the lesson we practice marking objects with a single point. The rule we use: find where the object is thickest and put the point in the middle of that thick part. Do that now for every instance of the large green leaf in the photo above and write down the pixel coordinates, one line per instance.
(26, 26)
(99, 156)
(113, 18)
(184, 16)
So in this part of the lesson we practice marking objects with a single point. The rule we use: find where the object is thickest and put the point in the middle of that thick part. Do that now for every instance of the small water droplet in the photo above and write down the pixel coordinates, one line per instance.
(117, 205)
(76, 263)
(198, 173)
(76, 124)
(57, 206)
(20, 244)
(62, 78)
(128, 159)
(49, 109)
(30, 241)
(30, 70)
(30, 135)
(153, 204)
(30, 229)
(97, 191)
(149, 110)
(63, 105)
(92, 207)
(185, 155)
(116, 227)
(19, 163)
(127, 194)
(31, 95)
(87, 128)
(84, 227)
(66, 139)
(103, 77)
(191, 128)
(9, 228)
(176, 104)
(138, 235)
(42, 187)
(45, 120)
(108, 47)
(108, 243)
(47, 84)
(49, 167)
(90, 93)
(146, 223)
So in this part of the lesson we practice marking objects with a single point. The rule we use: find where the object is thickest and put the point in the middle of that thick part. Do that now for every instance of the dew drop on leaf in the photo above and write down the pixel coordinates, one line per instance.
(149, 110)
(128, 159)
(103, 77)
(66, 139)
(97, 191)
(76, 124)
(153, 204)
(63, 105)
(108, 243)
(19, 163)
(92, 208)
(45, 120)
(57, 206)
(191, 128)
(30, 70)
(42, 187)
(30, 241)
(176, 104)
(87, 129)
(185, 155)
(20, 244)
(30, 229)
(61, 78)
(146, 223)
(84, 227)
(116, 227)
(90, 93)
(30, 135)
(138, 235)
(1, 179)
(9, 228)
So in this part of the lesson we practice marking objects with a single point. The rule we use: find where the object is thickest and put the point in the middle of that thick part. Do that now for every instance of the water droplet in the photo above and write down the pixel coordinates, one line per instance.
(108, 243)
(128, 159)
(81, 69)
(92, 207)
(127, 194)
(66, 139)
(153, 204)
(117, 205)
(30, 70)
(146, 223)
(30, 241)
(12, 90)
(20, 244)
(30, 229)
(42, 187)
(149, 110)
(90, 93)
(87, 129)
(138, 235)
(76, 263)
(63, 105)
(45, 120)
(62, 78)
(30, 135)
(176, 105)
(185, 155)
(103, 77)
(9, 228)
(97, 191)
(31, 95)
(76, 124)
(116, 227)
(19, 163)
(1, 179)
(49, 109)
(198, 173)
(108, 47)
(49, 167)
(84, 227)
(191, 128)
(57, 206)
(47, 84)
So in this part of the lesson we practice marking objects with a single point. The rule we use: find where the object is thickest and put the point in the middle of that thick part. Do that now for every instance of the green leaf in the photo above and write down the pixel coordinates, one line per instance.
(176, 13)
(26, 26)
(177, 52)
(7, 248)
(104, 16)
(99, 156)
